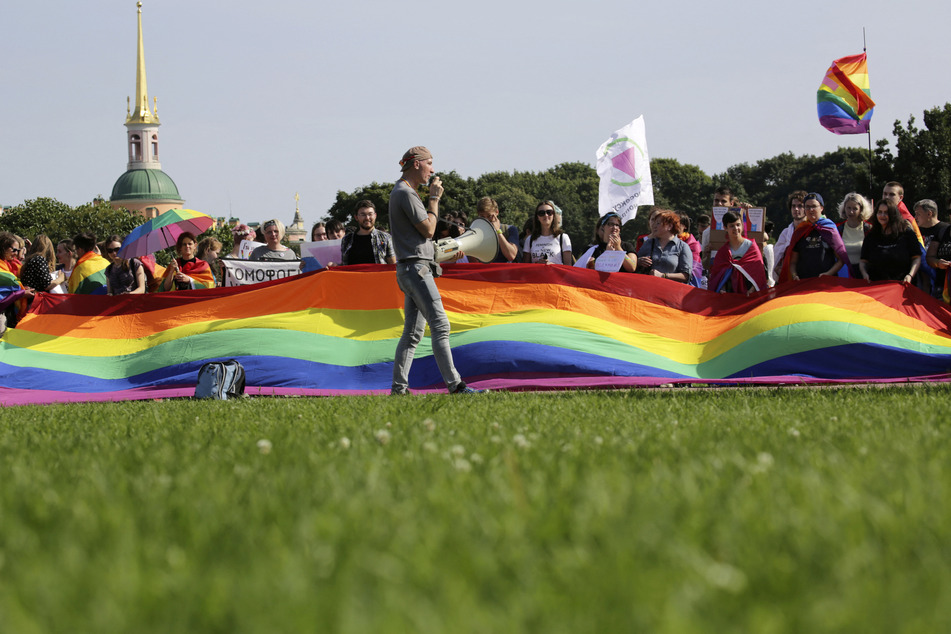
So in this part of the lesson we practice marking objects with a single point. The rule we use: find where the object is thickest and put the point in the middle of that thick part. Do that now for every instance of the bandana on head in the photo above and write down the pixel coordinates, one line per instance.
(417, 153)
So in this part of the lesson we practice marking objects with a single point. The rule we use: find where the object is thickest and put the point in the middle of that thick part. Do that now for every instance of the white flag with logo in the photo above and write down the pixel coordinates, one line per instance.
(625, 171)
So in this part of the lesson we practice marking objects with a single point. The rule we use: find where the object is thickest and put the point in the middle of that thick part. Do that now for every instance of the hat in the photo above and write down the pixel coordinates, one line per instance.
(606, 217)
(814, 196)
(416, 153)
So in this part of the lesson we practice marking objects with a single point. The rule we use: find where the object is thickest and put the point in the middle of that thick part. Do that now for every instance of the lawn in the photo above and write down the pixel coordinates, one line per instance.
(771, 510)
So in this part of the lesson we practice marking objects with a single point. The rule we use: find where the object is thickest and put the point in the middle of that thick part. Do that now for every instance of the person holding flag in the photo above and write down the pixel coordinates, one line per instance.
(816, 248)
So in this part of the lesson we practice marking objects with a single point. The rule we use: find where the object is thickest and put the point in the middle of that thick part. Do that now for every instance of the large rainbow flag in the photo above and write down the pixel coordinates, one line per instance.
(844, 98)
(514, 326)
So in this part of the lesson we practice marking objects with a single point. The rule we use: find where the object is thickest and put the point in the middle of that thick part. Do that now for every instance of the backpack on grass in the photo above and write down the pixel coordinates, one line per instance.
(220, 380)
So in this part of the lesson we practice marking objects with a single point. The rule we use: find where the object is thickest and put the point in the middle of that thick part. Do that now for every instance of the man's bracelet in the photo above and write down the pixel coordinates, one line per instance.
(430, 211)
(436, 198)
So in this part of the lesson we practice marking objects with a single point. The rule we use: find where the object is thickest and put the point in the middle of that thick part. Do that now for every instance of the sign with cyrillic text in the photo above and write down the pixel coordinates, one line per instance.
(243, 272)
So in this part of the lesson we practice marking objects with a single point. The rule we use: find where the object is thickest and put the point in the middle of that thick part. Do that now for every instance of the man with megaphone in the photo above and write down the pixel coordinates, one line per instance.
(412, 226)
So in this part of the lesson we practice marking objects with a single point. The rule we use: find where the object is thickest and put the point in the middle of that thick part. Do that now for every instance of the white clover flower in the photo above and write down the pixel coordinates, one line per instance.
(598, 440)
(430, 446)
(520, 441)
(382, 436)
(461, 464)
(764, 462)
(496, 439)
(794, 432)
(457, 450)
(495, 425)
(345, 443)
(264, 446)
(475, 459)
(429, 424)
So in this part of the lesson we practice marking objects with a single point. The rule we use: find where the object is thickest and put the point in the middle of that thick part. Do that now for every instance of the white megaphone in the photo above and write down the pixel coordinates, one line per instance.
(480, 242)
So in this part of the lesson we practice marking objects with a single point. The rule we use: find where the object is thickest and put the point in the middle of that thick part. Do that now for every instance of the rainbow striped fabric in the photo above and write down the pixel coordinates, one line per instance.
(844, 98)
(514, 326)
(89, 275)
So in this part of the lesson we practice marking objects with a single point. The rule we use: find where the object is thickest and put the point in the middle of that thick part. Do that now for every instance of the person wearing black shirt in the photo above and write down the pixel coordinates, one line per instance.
(367, 245)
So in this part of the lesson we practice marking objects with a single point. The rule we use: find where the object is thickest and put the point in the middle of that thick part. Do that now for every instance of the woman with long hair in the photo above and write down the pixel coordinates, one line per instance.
(66, 257)
(187, 271)
(209, 250)
(547, 243)
(39, 271)
(891, 250)
(318, 232)
(123, 276)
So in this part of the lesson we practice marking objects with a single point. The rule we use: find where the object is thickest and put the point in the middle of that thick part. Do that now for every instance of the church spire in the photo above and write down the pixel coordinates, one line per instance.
(138, 111)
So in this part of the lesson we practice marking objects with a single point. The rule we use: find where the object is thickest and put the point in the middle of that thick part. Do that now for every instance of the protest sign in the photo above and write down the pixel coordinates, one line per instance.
(243, 272)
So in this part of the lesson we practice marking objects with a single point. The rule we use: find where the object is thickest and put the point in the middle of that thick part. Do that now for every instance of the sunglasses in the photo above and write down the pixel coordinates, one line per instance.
(544, 212)
(113, 250)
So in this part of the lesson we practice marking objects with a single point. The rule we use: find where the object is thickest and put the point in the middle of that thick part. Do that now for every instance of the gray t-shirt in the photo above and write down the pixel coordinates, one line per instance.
(406, 211)
(263, 253)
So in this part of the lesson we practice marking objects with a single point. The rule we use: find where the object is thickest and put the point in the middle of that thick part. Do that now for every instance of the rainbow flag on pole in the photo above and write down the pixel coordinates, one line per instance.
(844, 98)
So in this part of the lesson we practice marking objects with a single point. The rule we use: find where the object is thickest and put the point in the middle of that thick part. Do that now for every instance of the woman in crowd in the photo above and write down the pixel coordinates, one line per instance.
(547, 243)
(123, 276)
(738, 266)
(318, 232)
(607, 237)
(696, 273)
(10, 254)
(273, 250)
(13, 299)
(891, 250)
(816, 248)
(238, 233)
(855, 210)
(65, 260)
(209, 250)
(663, 254)
(335, 230)
(39, 271)
(187, 271)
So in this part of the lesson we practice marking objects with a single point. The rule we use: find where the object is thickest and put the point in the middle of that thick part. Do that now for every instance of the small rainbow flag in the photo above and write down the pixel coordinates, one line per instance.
(844, 101)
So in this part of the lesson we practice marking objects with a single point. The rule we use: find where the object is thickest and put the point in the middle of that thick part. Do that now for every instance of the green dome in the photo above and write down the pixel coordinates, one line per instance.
(145, 184)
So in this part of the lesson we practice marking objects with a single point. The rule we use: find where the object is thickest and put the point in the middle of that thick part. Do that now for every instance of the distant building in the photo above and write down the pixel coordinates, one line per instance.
(296, 231)
(144, 187)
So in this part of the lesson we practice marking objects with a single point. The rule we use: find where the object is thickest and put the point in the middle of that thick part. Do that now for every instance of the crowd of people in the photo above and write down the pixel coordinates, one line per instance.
(875, 242)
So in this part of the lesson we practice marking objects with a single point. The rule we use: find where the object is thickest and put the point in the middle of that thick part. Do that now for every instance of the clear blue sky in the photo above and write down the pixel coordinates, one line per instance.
(259, 100)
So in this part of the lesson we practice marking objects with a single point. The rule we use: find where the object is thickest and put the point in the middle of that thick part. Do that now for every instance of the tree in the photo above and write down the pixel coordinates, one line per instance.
(768, 182)
(923, 162)
(60, 221)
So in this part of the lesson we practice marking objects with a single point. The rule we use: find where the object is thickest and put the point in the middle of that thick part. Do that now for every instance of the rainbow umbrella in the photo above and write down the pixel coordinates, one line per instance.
(162, 231)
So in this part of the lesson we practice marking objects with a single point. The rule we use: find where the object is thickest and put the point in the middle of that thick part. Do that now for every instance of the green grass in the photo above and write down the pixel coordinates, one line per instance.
(666, 511)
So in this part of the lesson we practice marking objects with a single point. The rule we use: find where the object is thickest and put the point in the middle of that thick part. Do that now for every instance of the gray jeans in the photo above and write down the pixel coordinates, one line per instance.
(422, 304)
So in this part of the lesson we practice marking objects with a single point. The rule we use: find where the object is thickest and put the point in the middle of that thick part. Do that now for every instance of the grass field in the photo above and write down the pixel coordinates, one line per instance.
(786, 510)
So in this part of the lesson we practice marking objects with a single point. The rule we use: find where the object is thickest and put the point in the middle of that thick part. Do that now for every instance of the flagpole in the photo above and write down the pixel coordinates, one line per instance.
(869, 131)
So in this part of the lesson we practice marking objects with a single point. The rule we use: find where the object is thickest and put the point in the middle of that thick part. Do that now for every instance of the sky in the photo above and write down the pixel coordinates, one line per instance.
(261, 101)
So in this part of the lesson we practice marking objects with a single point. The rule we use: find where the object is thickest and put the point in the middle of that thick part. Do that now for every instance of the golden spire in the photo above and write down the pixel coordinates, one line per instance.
(140, 108)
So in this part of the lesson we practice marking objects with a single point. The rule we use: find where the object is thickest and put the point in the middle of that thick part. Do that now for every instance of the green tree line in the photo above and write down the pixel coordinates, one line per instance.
(921, 161)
